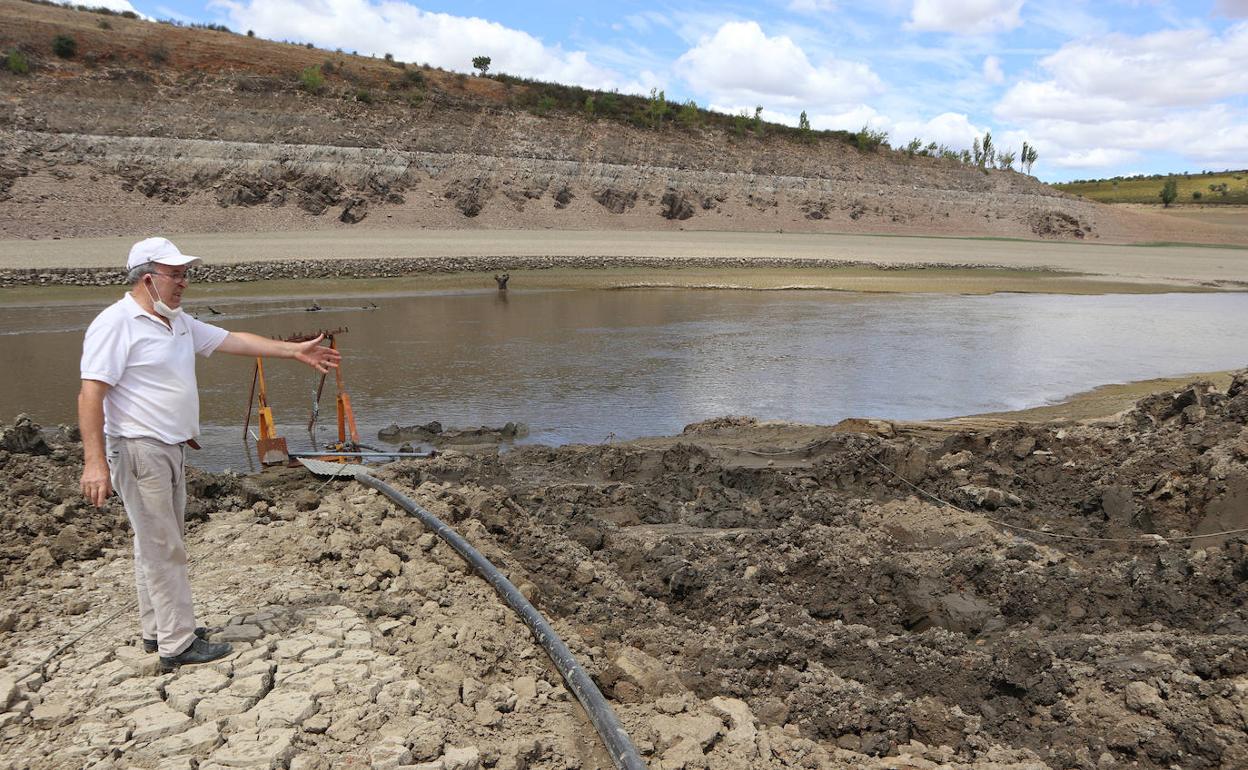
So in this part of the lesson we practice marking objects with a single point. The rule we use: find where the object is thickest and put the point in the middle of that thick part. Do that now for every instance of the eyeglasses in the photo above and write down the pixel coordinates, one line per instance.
(177, 276)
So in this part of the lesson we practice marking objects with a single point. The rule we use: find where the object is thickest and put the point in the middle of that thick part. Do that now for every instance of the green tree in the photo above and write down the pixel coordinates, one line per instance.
(1028, 158)
(481, 64)
(656, 108)
(757, 122)
(990, 152)
(589, 106)
(1169, 193)
(914, 147)
(803, 126)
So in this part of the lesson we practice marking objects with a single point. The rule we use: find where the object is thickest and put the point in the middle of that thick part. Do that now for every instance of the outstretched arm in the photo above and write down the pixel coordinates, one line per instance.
(312, 352)
(95, 483)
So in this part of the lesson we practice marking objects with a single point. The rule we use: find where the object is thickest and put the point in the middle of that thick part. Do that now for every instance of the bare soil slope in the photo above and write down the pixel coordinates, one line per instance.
(157, 128)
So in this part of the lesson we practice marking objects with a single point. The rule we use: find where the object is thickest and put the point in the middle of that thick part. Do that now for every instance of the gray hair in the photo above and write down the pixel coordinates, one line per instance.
(138, 271)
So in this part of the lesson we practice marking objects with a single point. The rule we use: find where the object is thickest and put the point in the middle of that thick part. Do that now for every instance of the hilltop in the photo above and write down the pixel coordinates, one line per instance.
(154, 127)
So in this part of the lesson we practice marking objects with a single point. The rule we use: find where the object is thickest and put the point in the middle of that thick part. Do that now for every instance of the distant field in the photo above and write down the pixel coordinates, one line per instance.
(1134, 190)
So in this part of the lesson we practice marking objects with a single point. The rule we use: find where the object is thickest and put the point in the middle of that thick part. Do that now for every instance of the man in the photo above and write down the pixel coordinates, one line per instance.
(138, 410)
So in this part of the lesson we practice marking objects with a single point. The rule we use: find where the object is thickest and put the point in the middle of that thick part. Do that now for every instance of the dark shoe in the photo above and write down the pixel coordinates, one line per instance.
(200, 651)
(150, 645)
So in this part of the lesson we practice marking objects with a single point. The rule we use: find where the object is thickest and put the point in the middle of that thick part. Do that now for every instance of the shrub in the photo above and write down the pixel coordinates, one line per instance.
(869, 140)
(589, 105)
(364, 95)
(1169, 192)
(64, 46)
(17, 63)
(544, 104)
(689, 116)
(311, 80)
(1196, 195)
(414, 78)
(251, 33)
(739, 122)
(103, 24)
(158, 55)
(913, 148)
(389, 57)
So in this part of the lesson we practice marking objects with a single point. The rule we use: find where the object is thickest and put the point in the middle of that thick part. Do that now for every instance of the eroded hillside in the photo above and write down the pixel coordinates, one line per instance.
(150, 126)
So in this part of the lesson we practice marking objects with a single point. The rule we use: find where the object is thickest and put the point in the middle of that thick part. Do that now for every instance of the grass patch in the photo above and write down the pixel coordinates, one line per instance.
(1223, 187)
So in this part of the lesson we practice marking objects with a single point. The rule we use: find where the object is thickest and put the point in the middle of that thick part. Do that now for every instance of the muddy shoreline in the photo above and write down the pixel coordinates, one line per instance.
(748, 595)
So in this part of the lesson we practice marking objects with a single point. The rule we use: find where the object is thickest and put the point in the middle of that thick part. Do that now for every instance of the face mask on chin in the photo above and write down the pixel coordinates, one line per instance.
(159, 305)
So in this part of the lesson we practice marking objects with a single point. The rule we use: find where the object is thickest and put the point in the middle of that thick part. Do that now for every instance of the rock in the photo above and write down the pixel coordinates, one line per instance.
(8, 621)
(222, 705)
(1143, 698)
(198, 740)
(284, 709)
(265, 748)
(1023, 447)
(425, 738)
(386, 563)
(245, 632)
(616, 201)
(584, 573)
(741, 722)
(466, 758)
(141, 663)
(676, 205)
(525, 688)
(254, 687)
(185, 692)
(307, 500)
(1119, 504)
(354, 210)
(24, 436)
(683, 739)
(955, 460)
(157, 721)
(51, 713)
(644, 672)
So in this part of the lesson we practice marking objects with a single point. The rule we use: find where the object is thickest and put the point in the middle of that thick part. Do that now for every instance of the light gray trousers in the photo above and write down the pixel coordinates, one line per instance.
(150, 478)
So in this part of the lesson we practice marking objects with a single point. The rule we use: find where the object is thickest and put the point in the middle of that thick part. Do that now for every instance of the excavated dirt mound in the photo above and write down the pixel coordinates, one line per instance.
(748, 596)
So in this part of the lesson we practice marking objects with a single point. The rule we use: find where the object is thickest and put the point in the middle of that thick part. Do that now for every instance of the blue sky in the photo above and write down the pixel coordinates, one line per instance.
(1100, 88)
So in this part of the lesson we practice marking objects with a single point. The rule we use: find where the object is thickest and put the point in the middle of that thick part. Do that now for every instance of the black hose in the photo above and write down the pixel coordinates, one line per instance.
(618, 744)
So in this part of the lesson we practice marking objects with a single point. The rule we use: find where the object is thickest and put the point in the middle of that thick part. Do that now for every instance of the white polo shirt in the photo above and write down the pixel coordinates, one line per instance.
(151, 368)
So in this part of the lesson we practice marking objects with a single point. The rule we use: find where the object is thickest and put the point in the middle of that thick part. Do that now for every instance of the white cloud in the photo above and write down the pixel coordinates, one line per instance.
(740, 64)
(949, 128)
(1162, 69)
(1118, 98)
(415, 35)
(120, 6)
(992, 70)
(965, 17)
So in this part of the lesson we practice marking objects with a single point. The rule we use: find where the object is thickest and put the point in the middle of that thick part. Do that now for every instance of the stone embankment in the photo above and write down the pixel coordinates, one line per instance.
(394, 267)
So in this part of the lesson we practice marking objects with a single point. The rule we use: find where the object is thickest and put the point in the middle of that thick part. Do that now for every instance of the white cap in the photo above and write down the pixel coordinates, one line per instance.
(160, 250)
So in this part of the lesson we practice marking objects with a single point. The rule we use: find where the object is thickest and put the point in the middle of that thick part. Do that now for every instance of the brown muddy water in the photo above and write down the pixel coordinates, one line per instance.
(593, 365)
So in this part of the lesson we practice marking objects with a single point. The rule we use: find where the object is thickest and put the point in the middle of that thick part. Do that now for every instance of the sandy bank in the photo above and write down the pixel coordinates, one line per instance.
(381, 253)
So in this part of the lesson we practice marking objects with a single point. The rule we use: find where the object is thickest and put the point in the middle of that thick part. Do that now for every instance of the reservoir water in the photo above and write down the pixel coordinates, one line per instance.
(592, 365)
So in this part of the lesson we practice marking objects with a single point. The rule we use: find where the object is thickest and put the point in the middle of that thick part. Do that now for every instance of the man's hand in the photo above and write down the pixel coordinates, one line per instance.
(95, 484)
(317, 356)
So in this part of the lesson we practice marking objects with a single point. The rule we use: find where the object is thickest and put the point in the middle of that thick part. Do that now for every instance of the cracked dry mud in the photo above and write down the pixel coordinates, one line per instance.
(747, 595)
